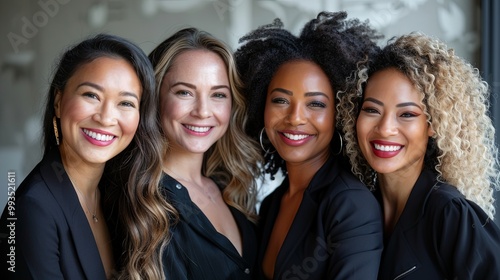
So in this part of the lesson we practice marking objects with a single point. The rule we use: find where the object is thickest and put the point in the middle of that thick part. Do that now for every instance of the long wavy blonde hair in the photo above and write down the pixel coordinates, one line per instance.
(232, 161)
(456, 100)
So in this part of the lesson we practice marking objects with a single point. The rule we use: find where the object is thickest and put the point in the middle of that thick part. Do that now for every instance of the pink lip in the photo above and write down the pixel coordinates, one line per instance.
(196, 133)
(98, 142)
(385, 154)
(294, 143)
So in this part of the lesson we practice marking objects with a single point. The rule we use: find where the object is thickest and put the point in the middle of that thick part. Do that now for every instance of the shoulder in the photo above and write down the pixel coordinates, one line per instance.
(462, 230)
(446, 208)
(347, 198)
(33, 187)
(34, 198)
(446, 198)
(347, 186)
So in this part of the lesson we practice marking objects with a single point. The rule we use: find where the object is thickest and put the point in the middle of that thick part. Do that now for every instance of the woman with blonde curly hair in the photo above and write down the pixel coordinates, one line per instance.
(418, 132)
(209, 164)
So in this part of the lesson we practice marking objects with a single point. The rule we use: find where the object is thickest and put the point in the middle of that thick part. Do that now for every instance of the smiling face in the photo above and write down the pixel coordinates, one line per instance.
(98, 110)
(392, 128)
(299, 113)
(195, 101)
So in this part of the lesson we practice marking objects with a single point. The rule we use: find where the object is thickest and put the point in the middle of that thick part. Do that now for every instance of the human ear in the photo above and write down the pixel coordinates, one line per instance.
(57, 103)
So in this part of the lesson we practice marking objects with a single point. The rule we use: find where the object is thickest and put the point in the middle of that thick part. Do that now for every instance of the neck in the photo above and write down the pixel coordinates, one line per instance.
(84, 175)
(85, 180)
(185, 166)
(301, 174)
(395, 191)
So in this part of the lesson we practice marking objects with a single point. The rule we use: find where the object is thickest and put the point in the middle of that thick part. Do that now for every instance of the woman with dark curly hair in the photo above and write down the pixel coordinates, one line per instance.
(418, 131)
(322, 222)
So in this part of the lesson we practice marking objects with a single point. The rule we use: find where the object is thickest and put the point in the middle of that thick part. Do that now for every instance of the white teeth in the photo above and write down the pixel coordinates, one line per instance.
(98, 136)
(388, 148)
(295, 137)
(198, 128)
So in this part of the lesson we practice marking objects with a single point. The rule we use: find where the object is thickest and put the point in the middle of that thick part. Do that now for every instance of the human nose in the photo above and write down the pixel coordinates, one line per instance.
(296, 115)
(106, 114)
(202, 108)
(387, 126)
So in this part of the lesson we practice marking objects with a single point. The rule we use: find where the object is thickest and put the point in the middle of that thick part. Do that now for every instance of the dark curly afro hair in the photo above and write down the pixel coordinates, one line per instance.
(332, 41)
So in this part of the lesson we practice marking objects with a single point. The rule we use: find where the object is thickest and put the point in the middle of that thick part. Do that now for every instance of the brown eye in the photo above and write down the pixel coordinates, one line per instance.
(279, 100)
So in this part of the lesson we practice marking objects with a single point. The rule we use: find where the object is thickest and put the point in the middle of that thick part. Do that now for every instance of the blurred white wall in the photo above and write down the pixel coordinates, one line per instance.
(35, 32)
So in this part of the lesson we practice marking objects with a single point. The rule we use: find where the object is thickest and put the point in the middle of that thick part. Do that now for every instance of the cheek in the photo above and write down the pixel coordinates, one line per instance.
(224, 113)
(130, 122)
(361, 128)
(425, 132)
(72, 113)
(267, 117)
(273, 115)
(169, 109)
(324, 120)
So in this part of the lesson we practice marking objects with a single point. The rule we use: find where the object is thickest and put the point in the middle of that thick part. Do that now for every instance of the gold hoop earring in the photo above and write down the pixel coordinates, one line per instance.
(262, 144)
(56, 131)
(341, 144)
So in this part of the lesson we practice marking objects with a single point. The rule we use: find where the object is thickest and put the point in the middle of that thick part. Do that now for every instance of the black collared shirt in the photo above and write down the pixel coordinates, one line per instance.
(196, 250)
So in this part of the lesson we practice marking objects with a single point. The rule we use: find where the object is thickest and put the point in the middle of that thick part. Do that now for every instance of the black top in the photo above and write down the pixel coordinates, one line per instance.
(197, 250)
(337, 232)
(53, 239)
(441, 235)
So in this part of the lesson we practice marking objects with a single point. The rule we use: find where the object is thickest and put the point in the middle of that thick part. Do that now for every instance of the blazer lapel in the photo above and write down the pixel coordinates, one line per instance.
(298, 230)
(401, 266)
(411, 215)
(307, 212)
(58, 182)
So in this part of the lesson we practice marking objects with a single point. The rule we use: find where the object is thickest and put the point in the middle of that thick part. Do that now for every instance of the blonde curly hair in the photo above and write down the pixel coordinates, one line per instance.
(456, 100)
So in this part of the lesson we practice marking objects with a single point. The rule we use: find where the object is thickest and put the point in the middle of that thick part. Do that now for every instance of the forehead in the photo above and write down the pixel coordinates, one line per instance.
(302, 74)
(391, 84)
(299, 68)
(198, 64)
(198, 57)
(102, 68)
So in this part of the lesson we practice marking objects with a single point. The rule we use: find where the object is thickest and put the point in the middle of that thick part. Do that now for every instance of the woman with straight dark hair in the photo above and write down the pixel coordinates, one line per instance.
(99, 120)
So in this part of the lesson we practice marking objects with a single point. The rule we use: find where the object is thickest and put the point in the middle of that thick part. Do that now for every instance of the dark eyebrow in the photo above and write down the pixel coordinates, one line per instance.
(312, 93)
(184, 84)
(405, 104)
(221, 87)
(89, 84)
(316, 93)
(100, 88)
(128, 93)
(282, 90)
(374, 101)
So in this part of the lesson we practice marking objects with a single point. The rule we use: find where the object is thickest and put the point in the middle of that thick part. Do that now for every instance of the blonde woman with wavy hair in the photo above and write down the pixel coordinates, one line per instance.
(209, 163)
(419, 134)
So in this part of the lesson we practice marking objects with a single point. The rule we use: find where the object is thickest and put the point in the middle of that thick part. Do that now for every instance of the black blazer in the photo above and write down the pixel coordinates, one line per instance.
(337, 232)
(441, 235)
(196, 250)
(53, 239)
